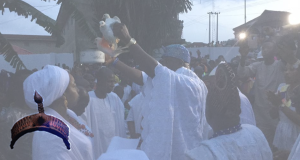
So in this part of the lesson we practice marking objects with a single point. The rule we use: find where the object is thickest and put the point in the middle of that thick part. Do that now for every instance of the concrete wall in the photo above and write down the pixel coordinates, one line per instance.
(39, 60)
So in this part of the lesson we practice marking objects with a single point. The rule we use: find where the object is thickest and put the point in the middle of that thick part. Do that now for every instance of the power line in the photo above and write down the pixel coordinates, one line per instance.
(23, 17)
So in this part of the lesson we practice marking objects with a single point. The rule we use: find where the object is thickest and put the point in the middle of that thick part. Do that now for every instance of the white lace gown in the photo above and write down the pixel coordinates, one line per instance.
(173, 113)
(286, 132)
(295, 153)
(247, 144)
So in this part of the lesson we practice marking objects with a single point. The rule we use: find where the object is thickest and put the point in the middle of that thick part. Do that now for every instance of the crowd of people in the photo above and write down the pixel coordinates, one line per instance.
(181, 107)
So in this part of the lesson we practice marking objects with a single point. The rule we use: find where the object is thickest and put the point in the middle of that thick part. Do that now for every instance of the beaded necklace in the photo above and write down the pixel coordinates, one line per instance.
(80, 127)
(227, 131)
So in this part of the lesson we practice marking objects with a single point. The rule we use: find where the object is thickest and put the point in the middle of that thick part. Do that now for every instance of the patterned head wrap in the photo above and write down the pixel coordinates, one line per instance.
(177, 51)
(223, 95)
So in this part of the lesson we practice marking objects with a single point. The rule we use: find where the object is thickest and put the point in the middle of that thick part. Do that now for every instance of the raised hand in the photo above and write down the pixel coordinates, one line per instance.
(120, 30)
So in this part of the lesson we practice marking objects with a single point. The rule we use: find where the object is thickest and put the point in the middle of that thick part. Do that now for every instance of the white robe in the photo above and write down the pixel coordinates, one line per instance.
(127, 93)
(247, 144)
(135, 112)
(106, 119)
(173, 113)
(247, 114)
(48, 146)
(295, 153)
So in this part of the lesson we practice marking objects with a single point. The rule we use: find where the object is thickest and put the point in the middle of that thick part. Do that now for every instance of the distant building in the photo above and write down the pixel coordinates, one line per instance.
(273, 19)
(36, 44)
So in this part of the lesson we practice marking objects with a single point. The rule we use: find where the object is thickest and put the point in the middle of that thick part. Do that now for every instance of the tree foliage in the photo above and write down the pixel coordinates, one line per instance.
(149, 21)
(9, 54)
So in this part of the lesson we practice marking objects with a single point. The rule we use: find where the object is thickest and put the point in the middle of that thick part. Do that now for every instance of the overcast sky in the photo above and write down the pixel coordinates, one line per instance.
(195, 21)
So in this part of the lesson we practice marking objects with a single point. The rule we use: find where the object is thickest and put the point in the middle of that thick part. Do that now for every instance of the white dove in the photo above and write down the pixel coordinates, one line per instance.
(109, 43)
(106, 28)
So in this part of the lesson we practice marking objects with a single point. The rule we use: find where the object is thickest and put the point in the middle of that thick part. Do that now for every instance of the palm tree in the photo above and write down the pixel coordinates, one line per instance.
(24, 9)
(150, 22)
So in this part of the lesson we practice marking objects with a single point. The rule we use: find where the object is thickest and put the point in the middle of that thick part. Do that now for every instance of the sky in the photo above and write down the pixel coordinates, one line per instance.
(195, 21)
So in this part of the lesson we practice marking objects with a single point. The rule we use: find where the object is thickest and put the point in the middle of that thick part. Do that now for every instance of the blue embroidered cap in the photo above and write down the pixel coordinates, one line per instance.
(177, 51)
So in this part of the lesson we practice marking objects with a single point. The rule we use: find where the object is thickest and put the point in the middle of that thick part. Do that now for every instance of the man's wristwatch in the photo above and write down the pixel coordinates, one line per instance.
(131, 42)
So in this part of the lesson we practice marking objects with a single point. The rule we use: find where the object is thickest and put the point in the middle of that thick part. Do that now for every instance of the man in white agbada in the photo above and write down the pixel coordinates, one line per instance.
(173, 110)
(247, 114)
(231, 140)
(105, 112)
(295, 153)
(58, 90)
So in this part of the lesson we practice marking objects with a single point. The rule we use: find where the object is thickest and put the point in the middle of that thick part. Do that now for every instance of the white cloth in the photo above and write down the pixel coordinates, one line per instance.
(106, 119)
(286, 131)
(48, 146)
(295, 153)
(50, 82)
(247, 144)
(173, 113)
(126, 154)
(247, 114)
(80, 121)
(136, 88)
(127, 93)
(135, 112)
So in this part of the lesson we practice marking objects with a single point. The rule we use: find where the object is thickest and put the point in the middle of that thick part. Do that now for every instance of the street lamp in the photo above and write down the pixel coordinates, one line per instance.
(242, 36)
(294, 19)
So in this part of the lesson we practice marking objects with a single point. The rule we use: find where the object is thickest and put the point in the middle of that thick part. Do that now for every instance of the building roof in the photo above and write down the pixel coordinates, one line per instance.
(21, 51)
(28, 37)
(267, 18)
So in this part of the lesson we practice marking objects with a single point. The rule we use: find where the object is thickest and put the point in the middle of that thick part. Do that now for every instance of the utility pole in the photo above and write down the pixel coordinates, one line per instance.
(245, 12)
(217, 38)
(209, 26)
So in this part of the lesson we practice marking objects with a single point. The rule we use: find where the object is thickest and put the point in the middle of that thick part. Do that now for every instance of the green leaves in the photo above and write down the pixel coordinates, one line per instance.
(9, 54)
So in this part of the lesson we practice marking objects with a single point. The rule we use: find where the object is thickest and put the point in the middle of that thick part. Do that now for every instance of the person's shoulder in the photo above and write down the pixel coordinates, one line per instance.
(91, 94)
(113, 95)
(252, 129)
(200, 152)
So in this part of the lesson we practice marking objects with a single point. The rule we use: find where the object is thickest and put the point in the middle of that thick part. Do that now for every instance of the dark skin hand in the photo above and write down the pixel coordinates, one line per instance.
(276, 101)
(138, 54)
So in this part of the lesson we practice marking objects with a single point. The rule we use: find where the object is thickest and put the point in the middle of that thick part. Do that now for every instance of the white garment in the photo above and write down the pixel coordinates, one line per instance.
(247, 114)
(48, 146)
(106, 119)
(286, 131)
(127, 93)
(247, 144)
(80, 121)
(136, 88)
(125, 154)
(50, 82)
(135, 112)
(173, 113)
(295, 153)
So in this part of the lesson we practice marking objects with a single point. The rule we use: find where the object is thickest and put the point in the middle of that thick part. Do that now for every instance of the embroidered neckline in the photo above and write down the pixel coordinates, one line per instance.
(227, 131)
(80, 127)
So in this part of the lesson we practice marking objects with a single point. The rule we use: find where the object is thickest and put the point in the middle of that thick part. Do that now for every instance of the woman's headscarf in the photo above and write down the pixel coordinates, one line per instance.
(51, 82)
(223, 94)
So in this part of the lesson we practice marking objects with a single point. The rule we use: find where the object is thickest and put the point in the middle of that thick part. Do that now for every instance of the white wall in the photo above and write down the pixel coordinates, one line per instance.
(214, 52)
(39, 60)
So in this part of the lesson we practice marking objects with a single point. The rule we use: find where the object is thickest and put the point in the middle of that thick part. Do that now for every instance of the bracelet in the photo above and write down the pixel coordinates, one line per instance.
(115, 61)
